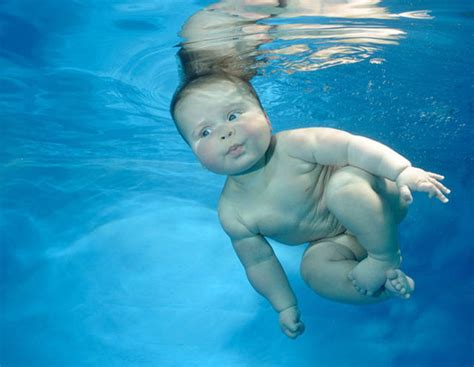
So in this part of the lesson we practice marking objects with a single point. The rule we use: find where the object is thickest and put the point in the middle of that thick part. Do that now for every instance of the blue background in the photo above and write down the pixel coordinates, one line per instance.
(111, 251)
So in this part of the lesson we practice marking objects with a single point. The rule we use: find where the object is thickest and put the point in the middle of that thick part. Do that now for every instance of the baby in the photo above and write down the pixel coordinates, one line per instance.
(341, 193)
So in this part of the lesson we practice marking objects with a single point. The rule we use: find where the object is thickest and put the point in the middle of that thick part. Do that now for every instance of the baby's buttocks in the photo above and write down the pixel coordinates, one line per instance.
(326, 221)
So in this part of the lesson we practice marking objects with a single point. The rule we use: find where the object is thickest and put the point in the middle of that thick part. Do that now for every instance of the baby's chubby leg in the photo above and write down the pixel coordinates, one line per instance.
(327, 262)
(325, 266)
(370, 208)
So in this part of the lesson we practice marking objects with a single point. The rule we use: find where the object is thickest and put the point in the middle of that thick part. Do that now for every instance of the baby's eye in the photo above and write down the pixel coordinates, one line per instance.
(205, 132)
(233, 115)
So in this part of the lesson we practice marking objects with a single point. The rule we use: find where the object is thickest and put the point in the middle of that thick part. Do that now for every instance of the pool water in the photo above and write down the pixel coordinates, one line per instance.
(111, 250)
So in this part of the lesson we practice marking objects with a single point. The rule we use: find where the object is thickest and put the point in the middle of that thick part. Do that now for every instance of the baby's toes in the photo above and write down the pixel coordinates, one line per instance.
(392, 274)
(355, 284)
(399, 284)
(357, 288)
(400, 288)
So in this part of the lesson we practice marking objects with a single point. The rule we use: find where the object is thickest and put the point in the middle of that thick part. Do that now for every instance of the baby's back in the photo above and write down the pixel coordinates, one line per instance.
(286, 203)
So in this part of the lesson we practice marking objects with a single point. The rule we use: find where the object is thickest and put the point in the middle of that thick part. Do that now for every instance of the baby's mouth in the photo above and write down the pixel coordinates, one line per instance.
(235, 149)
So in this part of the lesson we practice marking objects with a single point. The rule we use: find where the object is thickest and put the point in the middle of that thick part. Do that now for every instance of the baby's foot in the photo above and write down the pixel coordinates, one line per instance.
(370, 275)
(399, 284)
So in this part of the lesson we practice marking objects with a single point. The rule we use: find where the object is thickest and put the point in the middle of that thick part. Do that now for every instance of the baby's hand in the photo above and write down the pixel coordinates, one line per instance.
(415, 179)
(290, 322)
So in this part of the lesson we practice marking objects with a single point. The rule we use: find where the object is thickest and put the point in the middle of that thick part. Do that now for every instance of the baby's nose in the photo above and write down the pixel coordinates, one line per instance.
(226, 134)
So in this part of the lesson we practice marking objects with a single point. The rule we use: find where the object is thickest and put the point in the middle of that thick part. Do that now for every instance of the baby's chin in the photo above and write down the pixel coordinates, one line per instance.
(236, 168)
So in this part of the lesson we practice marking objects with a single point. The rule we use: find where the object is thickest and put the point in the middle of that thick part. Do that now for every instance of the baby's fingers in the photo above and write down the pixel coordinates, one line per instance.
(301, 328)
(294, 330)
(436, 176)
(290, 334)
(432, 190)
(440, 186)
(405, 193)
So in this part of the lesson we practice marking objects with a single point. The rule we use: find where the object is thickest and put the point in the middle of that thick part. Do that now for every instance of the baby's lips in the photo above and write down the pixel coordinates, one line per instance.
(234, 148)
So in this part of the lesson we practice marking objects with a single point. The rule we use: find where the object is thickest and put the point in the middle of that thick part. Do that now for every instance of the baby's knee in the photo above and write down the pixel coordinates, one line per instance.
(346, 183)
(318, 258)
(313, 257)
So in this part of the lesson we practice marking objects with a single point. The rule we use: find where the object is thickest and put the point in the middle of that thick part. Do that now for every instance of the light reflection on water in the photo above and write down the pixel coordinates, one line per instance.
(237, 38)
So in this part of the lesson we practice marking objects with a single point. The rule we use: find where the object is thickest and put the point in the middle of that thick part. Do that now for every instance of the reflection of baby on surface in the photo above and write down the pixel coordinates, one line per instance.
(341, 193)
(226, 36)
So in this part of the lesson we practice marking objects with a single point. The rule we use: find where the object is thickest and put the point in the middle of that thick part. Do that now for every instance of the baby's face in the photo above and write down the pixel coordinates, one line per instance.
(225, 127)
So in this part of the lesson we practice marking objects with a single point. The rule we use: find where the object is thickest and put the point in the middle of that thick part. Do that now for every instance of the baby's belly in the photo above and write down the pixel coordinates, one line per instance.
(298, 214)
(298, 232)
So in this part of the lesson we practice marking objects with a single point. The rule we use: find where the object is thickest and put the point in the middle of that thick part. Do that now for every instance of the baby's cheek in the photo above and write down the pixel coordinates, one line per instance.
(207, 155)
(250, 130)
(259, 132)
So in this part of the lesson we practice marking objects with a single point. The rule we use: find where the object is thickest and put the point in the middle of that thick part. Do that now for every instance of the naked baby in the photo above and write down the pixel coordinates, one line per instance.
(343, 194)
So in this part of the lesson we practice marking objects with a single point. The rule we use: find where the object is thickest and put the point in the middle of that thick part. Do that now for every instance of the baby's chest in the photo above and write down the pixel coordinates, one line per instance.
(287, 210)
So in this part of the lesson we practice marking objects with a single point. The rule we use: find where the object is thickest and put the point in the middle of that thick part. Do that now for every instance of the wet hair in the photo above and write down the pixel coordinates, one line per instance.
(204, 80)
(240, 62)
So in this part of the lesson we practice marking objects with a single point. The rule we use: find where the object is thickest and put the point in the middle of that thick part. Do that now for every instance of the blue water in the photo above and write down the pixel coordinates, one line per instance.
(111, 251)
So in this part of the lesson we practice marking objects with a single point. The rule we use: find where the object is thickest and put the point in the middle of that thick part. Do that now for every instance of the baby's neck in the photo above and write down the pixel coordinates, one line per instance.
(250, 178)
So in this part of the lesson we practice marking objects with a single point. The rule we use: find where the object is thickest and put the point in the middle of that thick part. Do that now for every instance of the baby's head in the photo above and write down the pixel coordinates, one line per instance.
(222, 120)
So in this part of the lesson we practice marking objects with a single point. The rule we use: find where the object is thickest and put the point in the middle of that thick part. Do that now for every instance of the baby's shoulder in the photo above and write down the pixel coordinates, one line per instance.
(230, 218)
(295, 144)
(300, 135)
(227, 207)
(286, 136)
(303, 143)
(289, 139)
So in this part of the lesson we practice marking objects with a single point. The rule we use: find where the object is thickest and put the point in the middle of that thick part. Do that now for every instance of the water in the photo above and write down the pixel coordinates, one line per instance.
(112, 253)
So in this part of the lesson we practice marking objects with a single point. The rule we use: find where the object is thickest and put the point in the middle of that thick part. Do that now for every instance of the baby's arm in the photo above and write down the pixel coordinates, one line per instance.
(335, 147)
(264, 272)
